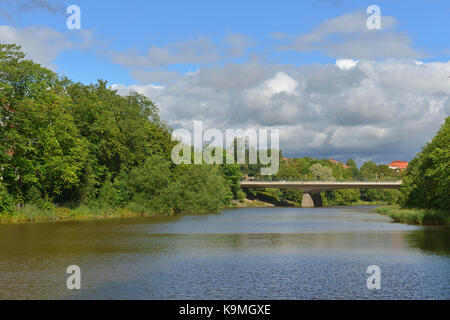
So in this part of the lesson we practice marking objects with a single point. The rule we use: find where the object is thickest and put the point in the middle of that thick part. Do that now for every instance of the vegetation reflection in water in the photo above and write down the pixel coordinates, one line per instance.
(280, 253)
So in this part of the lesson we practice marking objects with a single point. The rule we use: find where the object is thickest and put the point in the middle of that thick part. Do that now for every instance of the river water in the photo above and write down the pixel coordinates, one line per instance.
(252, 253)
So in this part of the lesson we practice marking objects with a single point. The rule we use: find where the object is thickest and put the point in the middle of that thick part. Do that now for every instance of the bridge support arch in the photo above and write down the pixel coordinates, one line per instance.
(311, 200)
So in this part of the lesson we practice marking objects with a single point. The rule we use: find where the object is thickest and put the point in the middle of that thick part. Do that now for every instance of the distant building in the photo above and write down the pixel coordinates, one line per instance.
(398, 165)
(338, 162)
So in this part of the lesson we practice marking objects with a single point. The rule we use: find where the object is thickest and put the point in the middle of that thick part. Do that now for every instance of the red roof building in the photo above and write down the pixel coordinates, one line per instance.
(398, 165)
(338, 162)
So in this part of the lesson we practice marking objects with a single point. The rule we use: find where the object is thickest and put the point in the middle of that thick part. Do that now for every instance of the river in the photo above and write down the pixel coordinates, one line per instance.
(250, 253)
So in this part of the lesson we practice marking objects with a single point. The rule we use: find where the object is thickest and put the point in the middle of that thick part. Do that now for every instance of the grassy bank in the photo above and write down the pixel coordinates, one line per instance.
(416, 216)
(368, 203)
(30, 213)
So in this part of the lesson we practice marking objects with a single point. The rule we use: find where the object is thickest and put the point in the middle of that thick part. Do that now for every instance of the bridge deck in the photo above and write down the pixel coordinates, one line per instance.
(322, 185)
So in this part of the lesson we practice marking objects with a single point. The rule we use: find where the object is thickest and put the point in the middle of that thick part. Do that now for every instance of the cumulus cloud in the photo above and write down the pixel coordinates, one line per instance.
(379, 110)
(43, 44)
(348, 36)
(360, 106)
(346, 64)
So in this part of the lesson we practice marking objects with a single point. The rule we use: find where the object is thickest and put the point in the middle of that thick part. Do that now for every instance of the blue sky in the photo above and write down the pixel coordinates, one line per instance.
(183, 51)
(140, 24)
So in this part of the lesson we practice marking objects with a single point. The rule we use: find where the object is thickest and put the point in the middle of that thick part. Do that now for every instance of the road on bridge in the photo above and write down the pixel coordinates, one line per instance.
(321, 185)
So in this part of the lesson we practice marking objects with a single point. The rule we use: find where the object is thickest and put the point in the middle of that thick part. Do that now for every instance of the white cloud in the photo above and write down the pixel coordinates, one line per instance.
(345, 64)
(42, 44)
(200, 50)
(348, 36)
(380, 110)
(359, 137)
(262, 93)
(281, 83)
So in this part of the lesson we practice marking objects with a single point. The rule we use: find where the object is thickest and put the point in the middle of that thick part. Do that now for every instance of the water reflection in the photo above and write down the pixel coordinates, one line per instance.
(279, 253)
(433, 240)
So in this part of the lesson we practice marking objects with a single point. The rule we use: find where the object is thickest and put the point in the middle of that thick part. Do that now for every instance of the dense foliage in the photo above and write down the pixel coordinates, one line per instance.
(66, 144)
(323, 169)
(427, 182)
(71, 144)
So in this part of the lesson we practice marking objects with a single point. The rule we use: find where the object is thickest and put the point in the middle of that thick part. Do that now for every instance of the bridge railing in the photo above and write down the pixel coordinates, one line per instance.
(317, 180)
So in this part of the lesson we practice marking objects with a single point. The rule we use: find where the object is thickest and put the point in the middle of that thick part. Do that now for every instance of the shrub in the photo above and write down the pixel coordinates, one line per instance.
(6, 200)
(108, 195)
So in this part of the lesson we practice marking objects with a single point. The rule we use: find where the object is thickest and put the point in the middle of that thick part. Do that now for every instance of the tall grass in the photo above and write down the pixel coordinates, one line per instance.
(33, 213)
(416, 216)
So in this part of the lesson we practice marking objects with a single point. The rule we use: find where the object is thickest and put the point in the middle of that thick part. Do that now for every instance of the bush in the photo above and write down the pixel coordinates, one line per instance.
(380, 195)
(6, 200)
(34, 198)
(198, 189)
(415, 216)
(340, 197)
(146, 182)
(108, 195)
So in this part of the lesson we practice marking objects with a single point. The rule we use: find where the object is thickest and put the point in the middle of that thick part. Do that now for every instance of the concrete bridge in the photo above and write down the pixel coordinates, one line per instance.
(312, 189)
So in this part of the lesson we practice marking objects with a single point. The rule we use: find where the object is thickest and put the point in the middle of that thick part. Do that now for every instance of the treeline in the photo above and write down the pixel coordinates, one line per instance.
(67, 148)
(66, 144)
(323, 169)
(427, 181)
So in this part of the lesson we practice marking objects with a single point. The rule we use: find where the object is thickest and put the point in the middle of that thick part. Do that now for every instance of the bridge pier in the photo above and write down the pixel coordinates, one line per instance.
(311, 200)
(311, 189)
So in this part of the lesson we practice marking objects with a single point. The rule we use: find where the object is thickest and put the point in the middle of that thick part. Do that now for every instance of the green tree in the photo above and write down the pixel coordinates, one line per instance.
(144, 184)
(427, 181)
(368, 171)
(40, 143)
(6, 200)
(108, 195)
(353, 168)
(340, 197)
(233, 175)
(321, 172)
(199, 188)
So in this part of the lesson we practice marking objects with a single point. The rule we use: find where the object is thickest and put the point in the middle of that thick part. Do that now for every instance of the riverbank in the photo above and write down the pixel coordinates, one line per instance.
(31, 213)
(416, 216)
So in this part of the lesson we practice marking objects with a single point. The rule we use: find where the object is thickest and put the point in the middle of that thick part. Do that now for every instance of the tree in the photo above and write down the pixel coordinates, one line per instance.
(122, 131)
(6, 200)
(233, 175)
(321, 172)
(353, 168)
(40, 144)
(199, 188)
(144, 184)
(368, 171)
(340, 196)
(427, 180)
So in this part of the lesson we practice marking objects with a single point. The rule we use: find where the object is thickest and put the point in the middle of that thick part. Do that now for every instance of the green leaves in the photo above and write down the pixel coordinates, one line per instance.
(42, 144)
(321, 172)
(427, 182)
(200, 188)
(85, 144)
(6, 200)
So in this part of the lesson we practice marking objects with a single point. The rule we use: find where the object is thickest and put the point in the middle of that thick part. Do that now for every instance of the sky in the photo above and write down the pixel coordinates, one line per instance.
(312, 69)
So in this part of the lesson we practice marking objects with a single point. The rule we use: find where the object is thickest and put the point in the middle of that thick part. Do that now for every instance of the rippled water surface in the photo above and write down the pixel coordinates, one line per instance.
(255, 253)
